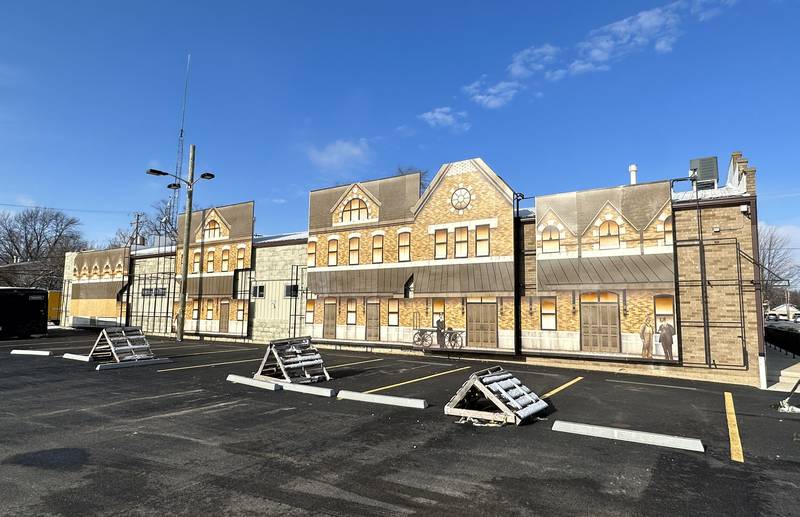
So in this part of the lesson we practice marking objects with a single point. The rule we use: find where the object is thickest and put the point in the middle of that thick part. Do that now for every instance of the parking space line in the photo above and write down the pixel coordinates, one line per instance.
(351, 364)
(562, 387)
(652, 384)
(214, 352)
(737, 454)
(417, 380)
(206, 365)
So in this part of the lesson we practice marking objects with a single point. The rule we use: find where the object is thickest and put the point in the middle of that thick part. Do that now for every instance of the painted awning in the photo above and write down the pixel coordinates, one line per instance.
(467, 279)
(652, 271)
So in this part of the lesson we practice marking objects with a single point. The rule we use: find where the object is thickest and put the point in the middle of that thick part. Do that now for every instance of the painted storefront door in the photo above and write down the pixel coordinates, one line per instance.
(482, 325)
(373, 322)
(329, 321)
(600, 327)
(224, 315)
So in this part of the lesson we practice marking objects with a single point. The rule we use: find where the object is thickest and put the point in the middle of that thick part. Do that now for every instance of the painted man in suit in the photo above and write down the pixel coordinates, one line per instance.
(665, 333)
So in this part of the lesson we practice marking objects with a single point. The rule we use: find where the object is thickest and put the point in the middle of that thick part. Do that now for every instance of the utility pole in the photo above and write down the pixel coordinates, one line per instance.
(187, 224)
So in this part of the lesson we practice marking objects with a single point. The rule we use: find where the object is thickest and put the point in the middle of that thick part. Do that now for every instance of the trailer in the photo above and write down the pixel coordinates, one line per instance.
(23, 312)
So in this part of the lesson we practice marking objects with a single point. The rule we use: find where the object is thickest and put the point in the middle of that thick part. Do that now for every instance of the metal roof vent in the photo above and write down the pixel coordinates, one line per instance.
(705, 172)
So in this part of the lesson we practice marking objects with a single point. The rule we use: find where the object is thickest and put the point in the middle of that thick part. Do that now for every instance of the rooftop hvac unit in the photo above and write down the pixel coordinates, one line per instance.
(705, 172)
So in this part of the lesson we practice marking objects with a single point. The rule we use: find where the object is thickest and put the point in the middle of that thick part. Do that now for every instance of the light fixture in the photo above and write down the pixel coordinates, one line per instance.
(156, 172)
(207, 176)
(174, 186)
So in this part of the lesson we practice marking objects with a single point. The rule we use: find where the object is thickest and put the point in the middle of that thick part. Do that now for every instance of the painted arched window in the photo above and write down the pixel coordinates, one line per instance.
(211, 230)
(668, 231)
(196, 262)
(106, 271)
(118, 269)
(355, 210)
(551, 240)
(95, 271)
(210, 262)
(609, 235)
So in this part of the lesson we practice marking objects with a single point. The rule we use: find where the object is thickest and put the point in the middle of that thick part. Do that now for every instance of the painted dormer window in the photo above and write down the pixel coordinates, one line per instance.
(609, 235)
(106, 271)
(95, 271)
(355, 210)
(668, 231)
(212, 230)
(551, 240)
(118, 269)
(75, 271)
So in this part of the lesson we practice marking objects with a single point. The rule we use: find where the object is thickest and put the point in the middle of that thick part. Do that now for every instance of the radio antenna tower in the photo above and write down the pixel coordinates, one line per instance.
(179, 161)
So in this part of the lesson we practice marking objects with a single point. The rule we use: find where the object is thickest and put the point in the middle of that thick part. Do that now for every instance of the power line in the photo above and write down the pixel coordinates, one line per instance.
(87, 210)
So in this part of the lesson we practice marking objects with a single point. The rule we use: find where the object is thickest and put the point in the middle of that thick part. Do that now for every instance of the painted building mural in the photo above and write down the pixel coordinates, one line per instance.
(386, 259)
(218, 284)
(95, 288)
(604, 270)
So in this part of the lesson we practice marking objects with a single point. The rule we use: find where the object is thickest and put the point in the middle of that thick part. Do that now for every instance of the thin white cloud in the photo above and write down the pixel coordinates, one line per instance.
(341, 155)
(706, 9)
(532, 59)
(405, 130)
(445, 117)
(495, 96)
(278, 200)
(658, 28)
(24, 200)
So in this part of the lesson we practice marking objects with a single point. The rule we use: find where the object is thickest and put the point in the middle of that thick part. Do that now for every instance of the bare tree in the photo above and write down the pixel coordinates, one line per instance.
(777, 263)
(160, 222)
(424, 175)
(32, 246)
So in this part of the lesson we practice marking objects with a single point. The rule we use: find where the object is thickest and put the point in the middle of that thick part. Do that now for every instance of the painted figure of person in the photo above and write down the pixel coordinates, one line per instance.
(665, 333)
(440, 331)
(646, 334)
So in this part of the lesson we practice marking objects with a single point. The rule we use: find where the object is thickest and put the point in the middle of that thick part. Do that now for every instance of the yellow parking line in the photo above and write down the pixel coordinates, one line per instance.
(417, 380)
(737, 454)
(206, 365)
(351, 364)
(562, 387)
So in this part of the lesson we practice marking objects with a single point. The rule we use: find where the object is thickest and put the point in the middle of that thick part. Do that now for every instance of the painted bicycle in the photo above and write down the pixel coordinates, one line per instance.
(424, 337)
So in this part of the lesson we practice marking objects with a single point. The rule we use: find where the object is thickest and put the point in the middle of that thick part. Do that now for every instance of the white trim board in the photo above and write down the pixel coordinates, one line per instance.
(629, 435)
(416, 263)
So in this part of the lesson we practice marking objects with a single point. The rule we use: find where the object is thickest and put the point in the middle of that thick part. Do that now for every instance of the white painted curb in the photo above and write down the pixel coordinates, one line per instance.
(238, 379)
(382, 399)
(30, 352)
(628, 435)
(77, 357)
(127, 364)
(305, 388)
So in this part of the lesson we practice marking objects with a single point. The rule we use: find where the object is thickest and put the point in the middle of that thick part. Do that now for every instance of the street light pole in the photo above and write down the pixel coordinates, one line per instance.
(187, 225)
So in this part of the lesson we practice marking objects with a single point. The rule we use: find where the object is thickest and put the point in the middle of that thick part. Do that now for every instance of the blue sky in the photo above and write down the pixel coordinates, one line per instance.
(289, 96)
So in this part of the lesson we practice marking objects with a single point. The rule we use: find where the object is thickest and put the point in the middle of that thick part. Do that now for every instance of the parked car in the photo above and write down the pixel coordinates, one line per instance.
(772, 317)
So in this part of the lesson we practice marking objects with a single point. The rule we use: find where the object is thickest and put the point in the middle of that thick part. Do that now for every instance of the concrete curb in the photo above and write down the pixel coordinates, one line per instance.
(382, 399)
(238, 379)
(77, 357)
(305, 388)
(127, 364)
(628, 435)
(30, 352)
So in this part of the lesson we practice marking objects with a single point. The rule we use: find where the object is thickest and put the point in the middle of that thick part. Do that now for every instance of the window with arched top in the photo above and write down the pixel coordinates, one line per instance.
(668, 231)
(75, 271)
(84, 271)
(551, 240)
(609, 235)
(355, 210)
(106, 271)
(212, 230)
(196, 262)
(118, 269)
(95, 271)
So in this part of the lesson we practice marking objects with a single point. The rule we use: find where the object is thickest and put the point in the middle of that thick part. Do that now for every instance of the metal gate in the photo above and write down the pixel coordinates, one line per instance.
(482, 324)
(373, 329)
(600, 327)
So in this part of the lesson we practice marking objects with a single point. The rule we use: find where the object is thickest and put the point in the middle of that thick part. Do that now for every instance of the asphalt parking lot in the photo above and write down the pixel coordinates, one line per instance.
(177, 439)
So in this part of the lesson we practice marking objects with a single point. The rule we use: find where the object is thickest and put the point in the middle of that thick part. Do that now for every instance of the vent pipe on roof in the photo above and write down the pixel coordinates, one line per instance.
(633, 169)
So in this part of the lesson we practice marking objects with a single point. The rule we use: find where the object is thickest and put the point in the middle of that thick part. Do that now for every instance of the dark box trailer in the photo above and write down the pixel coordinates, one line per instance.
(23, 311)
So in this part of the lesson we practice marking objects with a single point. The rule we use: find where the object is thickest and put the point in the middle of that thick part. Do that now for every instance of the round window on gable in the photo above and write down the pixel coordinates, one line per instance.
(461, 198)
